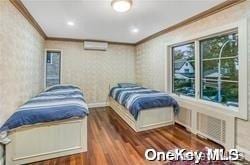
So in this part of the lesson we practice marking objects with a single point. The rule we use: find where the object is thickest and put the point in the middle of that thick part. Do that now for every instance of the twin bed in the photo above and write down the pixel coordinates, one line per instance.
(142, 108)
(54, 123)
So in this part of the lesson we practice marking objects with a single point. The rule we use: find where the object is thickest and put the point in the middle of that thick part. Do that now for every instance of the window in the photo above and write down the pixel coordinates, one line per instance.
(184, 69)
(219, 62)
(53, 68)
(219, 69)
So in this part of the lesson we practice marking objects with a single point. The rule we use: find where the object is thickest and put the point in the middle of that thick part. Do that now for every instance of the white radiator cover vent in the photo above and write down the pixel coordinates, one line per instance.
(212, 127)
(91, 45)
(184, 117)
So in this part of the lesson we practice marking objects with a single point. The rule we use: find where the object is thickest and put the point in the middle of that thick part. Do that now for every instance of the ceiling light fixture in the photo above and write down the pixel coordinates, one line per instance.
(121, 5)
(70, 23)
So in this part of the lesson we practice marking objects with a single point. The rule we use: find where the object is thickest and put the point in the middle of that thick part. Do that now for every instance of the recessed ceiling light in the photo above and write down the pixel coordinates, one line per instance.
(135, 30)
(121, 5)
(70, 23)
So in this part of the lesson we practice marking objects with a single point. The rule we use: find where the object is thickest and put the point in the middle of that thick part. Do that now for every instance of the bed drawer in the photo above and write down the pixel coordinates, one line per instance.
(147, 119)
(47, 141)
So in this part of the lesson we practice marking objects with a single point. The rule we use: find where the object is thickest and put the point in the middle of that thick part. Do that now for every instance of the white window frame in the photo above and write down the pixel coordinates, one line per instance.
(203, 105)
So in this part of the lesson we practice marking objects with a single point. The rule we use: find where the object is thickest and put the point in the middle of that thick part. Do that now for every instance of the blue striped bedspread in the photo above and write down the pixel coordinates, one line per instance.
(136, 99)
(58, 103)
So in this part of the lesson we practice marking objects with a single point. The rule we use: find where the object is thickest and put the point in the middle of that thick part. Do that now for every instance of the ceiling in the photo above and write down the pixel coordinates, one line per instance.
(96, 20)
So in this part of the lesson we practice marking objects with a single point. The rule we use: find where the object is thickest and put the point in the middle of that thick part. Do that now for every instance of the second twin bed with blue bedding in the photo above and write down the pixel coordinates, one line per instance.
(136, 98)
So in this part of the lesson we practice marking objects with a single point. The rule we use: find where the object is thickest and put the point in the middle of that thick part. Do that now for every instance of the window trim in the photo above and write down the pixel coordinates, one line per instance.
(242, 110)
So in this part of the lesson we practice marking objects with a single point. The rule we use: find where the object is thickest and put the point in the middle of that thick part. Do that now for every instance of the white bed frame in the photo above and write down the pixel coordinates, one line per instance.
(147, 119)
(45, 141)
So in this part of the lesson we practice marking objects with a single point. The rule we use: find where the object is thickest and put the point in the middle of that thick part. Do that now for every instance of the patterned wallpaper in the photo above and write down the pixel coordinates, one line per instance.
(21, 60)
(93, 71)
(150, 56)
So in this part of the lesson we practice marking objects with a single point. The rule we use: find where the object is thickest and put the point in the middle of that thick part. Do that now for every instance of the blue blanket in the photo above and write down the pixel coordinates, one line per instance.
(136, 99)
(59, 103)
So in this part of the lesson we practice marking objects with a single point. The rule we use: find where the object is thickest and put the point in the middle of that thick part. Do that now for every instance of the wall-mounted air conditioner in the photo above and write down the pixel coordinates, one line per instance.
(91, 45)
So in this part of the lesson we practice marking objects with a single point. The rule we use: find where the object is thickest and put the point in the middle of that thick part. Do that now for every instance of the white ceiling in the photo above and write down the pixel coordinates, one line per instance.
(95, 19)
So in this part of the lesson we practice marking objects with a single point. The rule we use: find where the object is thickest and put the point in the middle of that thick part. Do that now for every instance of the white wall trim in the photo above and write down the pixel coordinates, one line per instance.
(97, 105)
(245, 151)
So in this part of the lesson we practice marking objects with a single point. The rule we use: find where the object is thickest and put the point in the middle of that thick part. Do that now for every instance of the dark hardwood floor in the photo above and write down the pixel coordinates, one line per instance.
(112, 141)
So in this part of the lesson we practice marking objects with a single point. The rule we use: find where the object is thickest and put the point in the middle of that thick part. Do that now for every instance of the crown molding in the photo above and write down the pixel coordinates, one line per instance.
(82, 40)
(220, 7)
(24, 11)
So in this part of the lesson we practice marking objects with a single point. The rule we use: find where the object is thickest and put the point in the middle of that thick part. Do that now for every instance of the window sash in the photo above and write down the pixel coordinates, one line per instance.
(232, 81)
(174, 71)
(222, 58)
(219, 83)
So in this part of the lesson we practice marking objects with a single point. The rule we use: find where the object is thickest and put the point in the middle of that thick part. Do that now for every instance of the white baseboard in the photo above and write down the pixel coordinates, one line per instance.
(96, 105)
(245, 151)
(188, 128)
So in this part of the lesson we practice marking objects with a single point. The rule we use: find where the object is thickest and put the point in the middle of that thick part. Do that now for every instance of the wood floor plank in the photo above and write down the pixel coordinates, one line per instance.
(112, 142)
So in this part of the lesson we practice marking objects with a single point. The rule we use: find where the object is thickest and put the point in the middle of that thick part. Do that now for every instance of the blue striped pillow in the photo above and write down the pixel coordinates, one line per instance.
(127, 85)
